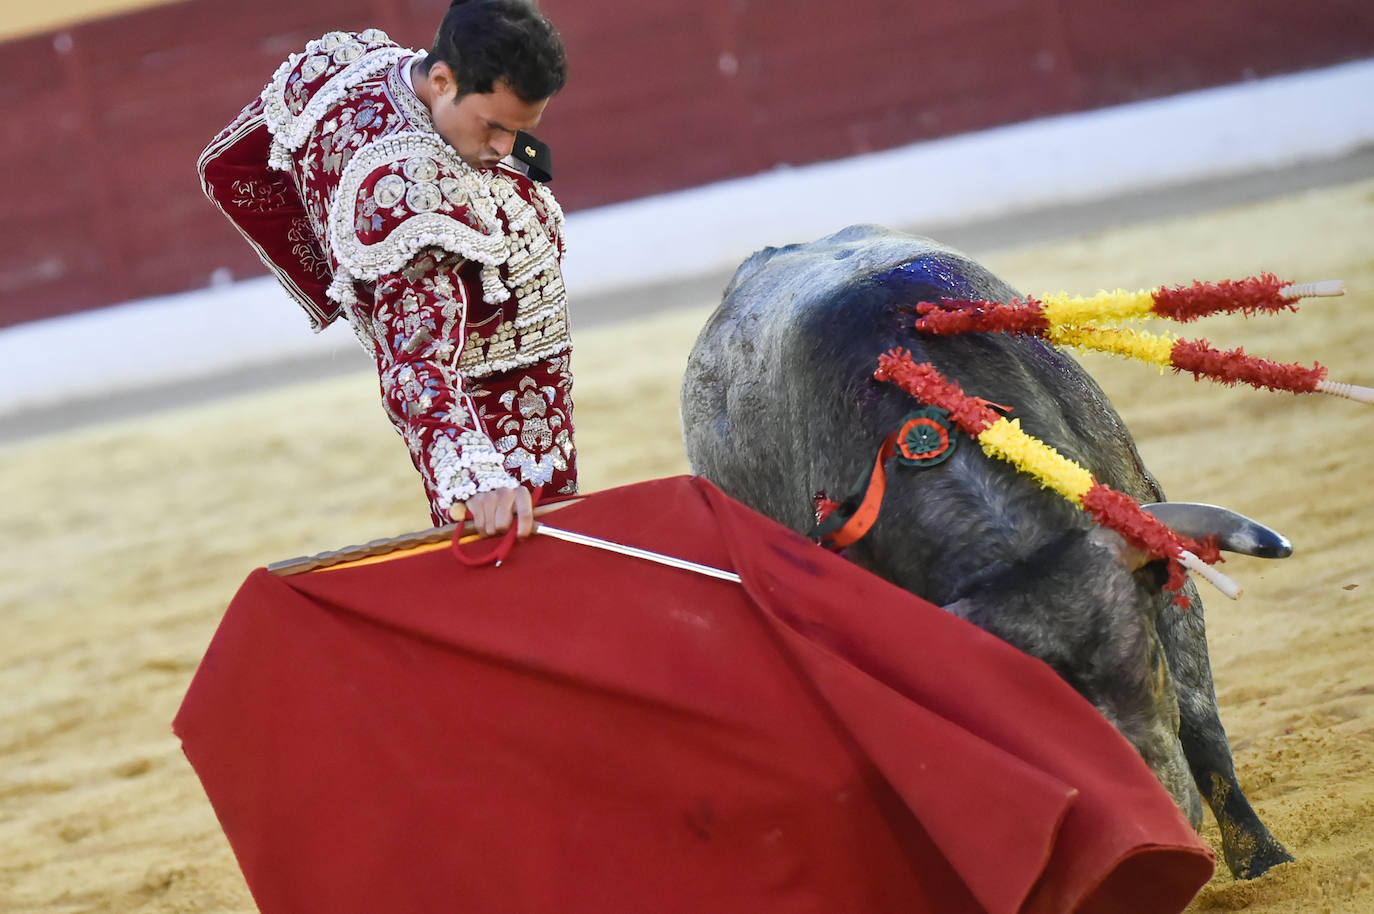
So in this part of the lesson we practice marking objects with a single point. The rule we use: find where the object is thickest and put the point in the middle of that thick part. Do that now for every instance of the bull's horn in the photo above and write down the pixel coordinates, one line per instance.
(1234, 532)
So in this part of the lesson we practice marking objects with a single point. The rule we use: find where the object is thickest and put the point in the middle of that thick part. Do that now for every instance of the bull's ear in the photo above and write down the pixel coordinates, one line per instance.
(1234, 532)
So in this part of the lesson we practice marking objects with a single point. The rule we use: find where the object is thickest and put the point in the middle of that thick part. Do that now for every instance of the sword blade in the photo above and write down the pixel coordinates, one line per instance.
(583, 539)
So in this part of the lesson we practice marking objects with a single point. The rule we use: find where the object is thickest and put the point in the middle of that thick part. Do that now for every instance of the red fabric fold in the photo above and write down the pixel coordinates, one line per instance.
(582, 731)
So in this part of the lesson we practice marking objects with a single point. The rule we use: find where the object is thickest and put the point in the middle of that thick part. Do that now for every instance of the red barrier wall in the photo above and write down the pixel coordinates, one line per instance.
(102, 123)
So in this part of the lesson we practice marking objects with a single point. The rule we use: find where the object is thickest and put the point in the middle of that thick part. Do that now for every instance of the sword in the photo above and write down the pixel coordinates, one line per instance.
(583, 539)
(439, 535)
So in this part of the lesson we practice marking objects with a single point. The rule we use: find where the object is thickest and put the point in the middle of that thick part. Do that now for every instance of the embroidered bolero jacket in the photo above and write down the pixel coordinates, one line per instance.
(337, 178)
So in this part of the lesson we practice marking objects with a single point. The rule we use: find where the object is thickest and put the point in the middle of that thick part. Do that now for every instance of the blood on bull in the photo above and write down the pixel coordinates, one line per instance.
(780, 403)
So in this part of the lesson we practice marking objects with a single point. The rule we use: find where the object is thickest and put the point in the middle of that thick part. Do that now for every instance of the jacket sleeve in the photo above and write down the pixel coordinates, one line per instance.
(262, 203)
(418, 325)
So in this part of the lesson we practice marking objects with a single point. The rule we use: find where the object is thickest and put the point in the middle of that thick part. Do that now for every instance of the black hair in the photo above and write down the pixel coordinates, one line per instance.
(491, 41)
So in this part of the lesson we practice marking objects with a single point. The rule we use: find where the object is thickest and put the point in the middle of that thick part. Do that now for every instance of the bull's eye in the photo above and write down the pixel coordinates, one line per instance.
(1154, 575)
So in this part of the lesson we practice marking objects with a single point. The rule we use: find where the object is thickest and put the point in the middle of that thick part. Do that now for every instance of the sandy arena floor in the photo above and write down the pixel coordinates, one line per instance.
(124, 541)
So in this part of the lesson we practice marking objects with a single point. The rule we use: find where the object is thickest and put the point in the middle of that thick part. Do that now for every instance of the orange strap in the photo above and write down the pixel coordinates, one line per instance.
(500, 547)
(866, 515)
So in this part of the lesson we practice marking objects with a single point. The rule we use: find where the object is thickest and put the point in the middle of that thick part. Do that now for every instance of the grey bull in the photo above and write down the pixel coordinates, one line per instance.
(779, 403)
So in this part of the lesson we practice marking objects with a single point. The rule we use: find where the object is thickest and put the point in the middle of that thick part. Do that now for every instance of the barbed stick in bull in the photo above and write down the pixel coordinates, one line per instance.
(1003, 439)
(1066, 320)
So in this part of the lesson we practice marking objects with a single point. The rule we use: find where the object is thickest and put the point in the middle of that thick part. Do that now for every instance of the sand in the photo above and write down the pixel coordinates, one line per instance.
(124, 541)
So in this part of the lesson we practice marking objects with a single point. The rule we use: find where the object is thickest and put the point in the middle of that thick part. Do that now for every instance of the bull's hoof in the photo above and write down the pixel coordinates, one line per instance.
(1257, 859)
(1249, 849)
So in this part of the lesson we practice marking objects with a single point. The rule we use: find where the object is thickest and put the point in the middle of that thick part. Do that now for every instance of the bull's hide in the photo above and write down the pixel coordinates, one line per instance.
(581, 731)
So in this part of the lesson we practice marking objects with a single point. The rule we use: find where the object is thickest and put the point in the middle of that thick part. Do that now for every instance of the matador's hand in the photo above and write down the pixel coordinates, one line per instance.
(493, 511)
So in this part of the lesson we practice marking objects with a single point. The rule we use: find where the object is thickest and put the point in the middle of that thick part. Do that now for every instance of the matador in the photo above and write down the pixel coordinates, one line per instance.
(444, 260)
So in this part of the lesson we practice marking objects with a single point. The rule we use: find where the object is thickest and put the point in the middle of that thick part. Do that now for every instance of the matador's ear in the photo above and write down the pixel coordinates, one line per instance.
(534, 156)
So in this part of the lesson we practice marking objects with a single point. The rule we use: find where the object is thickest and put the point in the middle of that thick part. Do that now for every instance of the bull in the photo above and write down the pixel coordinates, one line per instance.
(779, 403)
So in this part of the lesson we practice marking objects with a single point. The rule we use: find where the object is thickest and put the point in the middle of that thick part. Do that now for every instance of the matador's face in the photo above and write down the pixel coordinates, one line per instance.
(480, 126)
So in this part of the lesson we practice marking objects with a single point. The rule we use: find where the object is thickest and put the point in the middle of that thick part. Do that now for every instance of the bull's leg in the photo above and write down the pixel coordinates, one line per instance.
(1246, 843)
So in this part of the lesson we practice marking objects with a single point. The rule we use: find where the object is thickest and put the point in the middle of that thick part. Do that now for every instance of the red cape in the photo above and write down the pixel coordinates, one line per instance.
(581, 731)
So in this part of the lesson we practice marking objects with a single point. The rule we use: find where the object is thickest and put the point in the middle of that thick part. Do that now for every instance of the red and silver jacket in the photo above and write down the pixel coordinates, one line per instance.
(449, 275)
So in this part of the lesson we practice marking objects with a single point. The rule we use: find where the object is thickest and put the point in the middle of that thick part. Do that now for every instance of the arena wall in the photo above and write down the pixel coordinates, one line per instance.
(103, 120)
